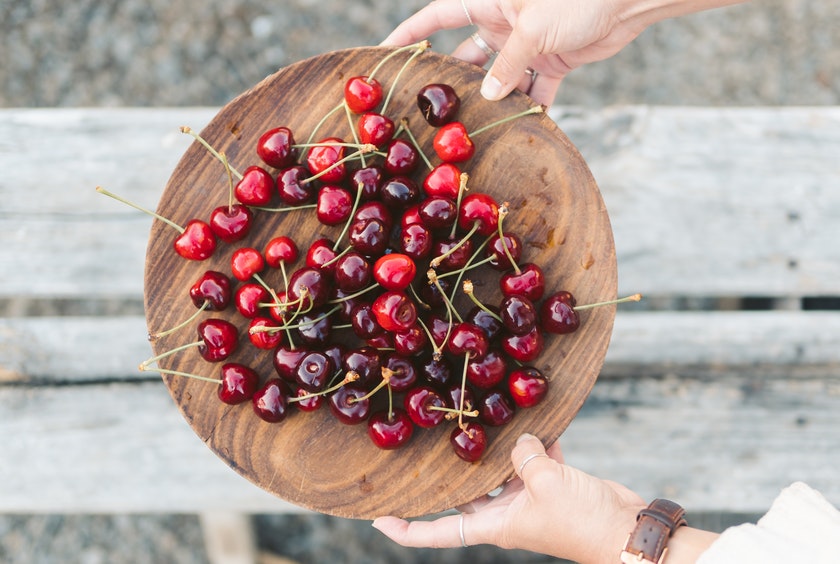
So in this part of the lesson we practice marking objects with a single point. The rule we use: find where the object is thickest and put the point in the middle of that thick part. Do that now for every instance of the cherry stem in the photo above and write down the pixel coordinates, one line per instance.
(287, 209)
(353, 129)
(470, 264)
(422, 44)
(473, 413)
(187, 374)
(210, 149)
(359, 190)
(449, 307)
(503, 211)
(438, 259)
(269, 329)
(390, 405)
(156, 336)
(463, 393)
(147, 362)
(387, 373)
(169, 222)
(230, 180)
(437, 352)
(529, 111)
(633, 298)
(467, 267)
(468, 290)
(323, 119)
(417, 147)
(354, 295)
(367, 148)
(462, 187)
(349, 377)
(420, 48)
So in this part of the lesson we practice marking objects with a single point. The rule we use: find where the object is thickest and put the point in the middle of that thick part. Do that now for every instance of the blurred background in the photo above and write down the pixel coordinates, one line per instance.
(188, 53)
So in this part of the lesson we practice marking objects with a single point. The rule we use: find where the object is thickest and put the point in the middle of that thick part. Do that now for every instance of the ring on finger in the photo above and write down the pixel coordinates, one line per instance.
(528, 459)
(483, 45)
(466, 11)
(532, 73)
(461, 530)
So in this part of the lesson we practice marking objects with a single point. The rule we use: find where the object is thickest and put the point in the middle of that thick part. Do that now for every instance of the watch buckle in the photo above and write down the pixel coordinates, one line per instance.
(628, 557)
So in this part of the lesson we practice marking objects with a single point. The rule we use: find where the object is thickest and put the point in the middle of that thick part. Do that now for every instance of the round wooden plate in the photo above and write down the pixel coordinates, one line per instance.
(310, 459)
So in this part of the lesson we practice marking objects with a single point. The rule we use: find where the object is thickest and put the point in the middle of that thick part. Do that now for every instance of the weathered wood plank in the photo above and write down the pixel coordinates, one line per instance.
(703, 201)
(85, 349)
(727, 446)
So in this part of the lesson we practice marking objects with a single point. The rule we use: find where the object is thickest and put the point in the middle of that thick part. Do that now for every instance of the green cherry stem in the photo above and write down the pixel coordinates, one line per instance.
(440, 258)
(349, 377)
(449, 306)
(321, 123)
(463, 393)
(210, 149)
(359, 190)
(156, 336)
(413, 139)
(120, 199)
(504, 209)
(286, 209)
(420, 45)
(387, 373)
(145, 364)
(529, 111)
(462, 187)
(468, 290)
(179, 373)
(420, 48)
(633, 298)
(364, 149)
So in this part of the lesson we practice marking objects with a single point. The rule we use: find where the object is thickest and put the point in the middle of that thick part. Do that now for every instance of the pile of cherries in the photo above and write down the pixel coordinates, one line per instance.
(367, 322)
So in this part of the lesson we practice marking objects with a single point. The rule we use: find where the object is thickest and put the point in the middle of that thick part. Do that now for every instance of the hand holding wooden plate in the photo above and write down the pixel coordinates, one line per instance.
(310, 459)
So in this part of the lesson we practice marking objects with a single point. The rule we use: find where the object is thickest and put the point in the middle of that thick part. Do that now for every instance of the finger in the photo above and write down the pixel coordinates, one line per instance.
(435, 16)
(510, 65)
(440, 533)
(470, 52)
(544, 89)
(528, 455)
(555, 452)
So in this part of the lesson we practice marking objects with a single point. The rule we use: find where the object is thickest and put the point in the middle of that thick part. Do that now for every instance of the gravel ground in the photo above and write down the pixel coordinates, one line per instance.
(190, 53)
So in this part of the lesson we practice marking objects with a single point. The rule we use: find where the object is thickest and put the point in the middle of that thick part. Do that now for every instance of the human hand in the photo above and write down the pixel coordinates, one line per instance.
(549, 507)
(540, 41)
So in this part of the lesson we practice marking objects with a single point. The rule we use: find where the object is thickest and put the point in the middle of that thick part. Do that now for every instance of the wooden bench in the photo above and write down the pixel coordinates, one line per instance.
(703, 398)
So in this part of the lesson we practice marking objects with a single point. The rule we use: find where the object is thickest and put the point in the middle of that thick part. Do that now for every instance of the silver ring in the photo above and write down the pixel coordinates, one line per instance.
(528, 459)
(461, 529)
(479, 41)
(464, 6)
(532, 73)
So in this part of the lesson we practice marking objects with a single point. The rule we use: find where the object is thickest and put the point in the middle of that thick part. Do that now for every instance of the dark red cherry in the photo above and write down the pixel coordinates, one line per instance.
(411, 341)
(375, 129)
(390, 431)
(527, 386)
(394, 271)
(432, 295)
(444, 181)
(418, 401)
(529, 282)
(416, 241)
(452, 143)
(239, 383)
(438, 103)
(469, 443)
(246, 262)
(480, 209)
(314, 328)
(487, 372)
(310, 402)
(292, 188)
(364, 361)
(399, 192)
(321, 255)
(375, 210)
(347, 406)
(325, 160)
(231, 223)
(275, 147)
(280, 249)
(467, 338)
(271, 401)
(371, 178)
(219, 339)
(364, 322)
(265, 340)
(453, 393)
(496, 251)
(437, 371)
(401, 158)
(313, 371)
(352, 272)
(495, 408)
(256, 187)
(362, 93)
(395, 311)
(213, 288)
(313, 283)
(558, 315)
(403, 373)
(518, 313)
(489, 322)
(197, 242)
(369, 237)
(437, 212)
(286, 360)
(523, 348)
(248, 298)
(456, 259)
(334, 205)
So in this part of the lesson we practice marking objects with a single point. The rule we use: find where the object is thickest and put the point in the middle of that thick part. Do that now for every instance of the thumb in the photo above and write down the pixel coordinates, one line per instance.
(529, 452)
(509, 67)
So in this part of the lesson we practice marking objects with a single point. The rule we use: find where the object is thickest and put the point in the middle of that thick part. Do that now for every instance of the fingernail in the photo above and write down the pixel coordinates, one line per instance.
(491, 88)
(525, 437)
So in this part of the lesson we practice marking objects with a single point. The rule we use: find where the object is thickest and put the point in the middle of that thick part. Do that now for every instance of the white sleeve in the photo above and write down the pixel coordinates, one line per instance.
(801, 526)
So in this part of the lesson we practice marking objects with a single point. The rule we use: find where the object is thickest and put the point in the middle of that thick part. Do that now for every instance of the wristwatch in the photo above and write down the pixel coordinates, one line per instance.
(655, 524)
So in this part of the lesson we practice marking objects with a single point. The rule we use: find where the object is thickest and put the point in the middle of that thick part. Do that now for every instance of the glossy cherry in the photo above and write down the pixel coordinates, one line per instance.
(231, 223)
(487, 372)
(418, 403)
(395, 311)
(523, 348)
(470, 442)
(325, 160)
(313, 371)
(352, 272)
(270, 402)
(394, 271)
(248, 298)
(452, 143)
(362, 93)
(499, 248)
(369, 237)
(375, 129)
(480, 210)
(558, 315)
(370, 178)
(245, 262)
(219, 339)
(410, 342)
(197, 242)
(293, 187)
(286, 360)
(309, 286)
(401, 158)
(527, 386)
(238, 383)
(265, 340)
(495, 408)
(528, 282)
(275, 147)
(468, 339)
(334, 205)
(212, 288)
(439, 103)
(399, 192)
(416, 241)
(280, 249)
(444, 180)
(364, 361)
(256, 187)
(322, 255)
(518, 313)
(390, 430)
(438, 212)
(347, 406)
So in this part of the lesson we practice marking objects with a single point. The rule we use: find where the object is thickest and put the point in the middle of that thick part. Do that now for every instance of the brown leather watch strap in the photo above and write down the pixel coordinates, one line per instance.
(655, 524)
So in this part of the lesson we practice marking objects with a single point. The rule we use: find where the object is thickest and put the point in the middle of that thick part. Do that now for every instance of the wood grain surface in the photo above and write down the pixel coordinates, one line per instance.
(310, 459)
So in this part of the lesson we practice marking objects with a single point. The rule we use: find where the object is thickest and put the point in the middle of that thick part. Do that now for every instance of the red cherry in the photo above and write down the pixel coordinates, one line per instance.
(496, 251)
(374, 210)
(248, 298)
(246, 262)
(495, 408)
(292, 188)
(410, 342)
(452, 143)
(347, 406)
(314, 329)
(487, 372)
(286, 361)
(527, 386)
(455, 259)
(322, 255)
(364, 361)
(437, 212)
(313, 283)
(364, 323)
(197, 242)
(280, 249)
(352, 272)
(417, 403)
(310, 402)
(395, 311)
(375, 129)
(403, 374)
(481, 209)
(528, 282)
(212, 288)
(369, 237)
(239, 383)
(401, 158)
(518, 313)
(334, 205)
(558, 315)
(219, 339)
(394, 271)
(416, 241)
(370, 177)
(444, 180)
(313, 371)
(467, 338)
(399, 192)
(523, 348)
(256, 187)
(390, 431)
(469, 443)
(324, 160)
(271, 401)
(362, 93)
(231, 223)
(274, 147)
(265, 340)
(438, 103)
